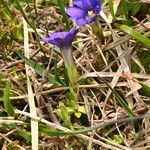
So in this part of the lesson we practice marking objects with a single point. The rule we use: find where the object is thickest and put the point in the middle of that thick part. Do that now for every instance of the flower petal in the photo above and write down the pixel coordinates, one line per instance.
(79, 4)
(91, 19)
(51, 41)
(87, 4)
(58, 35)
(81, 21)
(75, 12)
(71, 34)
(74, 31)
(97, 6)
(61, 39)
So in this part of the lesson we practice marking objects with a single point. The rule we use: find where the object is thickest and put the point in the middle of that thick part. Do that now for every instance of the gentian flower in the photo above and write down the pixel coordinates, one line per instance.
(63, 40)
(82, 10)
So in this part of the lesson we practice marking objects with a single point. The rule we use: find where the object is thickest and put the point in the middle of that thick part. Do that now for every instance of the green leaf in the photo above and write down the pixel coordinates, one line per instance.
(52, 132)
(120, 100)
(54, 2)
(64, 113)
(97, 29)
(24, 134)
(32, 25)
(57, 77)
(1, 75)
(145, 87)
(78, 114)
(111, 8)
(89, 129)
(66, 78)
(136, 7)
(65, 17)
(82, 109)
(134, 34)
(125, 10)
(38, 69)
(6, 7)
(7, 104)
(117, 139)
(71, 100)
(22, 2)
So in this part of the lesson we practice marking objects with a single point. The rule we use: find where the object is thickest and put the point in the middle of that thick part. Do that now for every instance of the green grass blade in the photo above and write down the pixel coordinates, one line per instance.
(22, 12)
(7, 104)
(125, 10)
(89, 129)
(111, 8)
(24, 134)
(61, 5)
(145, 87)
(120, 100)
(123, 104)
(20, 129)
(5, 5)
(43, 128)
(134, 34)
(26, 18)
(38, 69)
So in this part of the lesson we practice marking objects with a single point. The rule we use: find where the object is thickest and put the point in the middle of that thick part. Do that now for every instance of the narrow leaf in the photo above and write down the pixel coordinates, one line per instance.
(6, 6)
(120, 100)
(24, 134)
(145, 87)
(38, 69)
(62, 9)
(111, 8)
(134, 34)
(89, 129)
(26, 18)
(7, 104)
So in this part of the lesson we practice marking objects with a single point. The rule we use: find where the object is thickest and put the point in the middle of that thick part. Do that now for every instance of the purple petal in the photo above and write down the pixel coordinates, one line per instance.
(46, 39)
(79, 4)
(51, 41)
(74, 31)
(58, 35)
(97, 6)
(71, 35)
(87, 4)
(61, 39)
(91, 19)
(75, 12)
(81, 21)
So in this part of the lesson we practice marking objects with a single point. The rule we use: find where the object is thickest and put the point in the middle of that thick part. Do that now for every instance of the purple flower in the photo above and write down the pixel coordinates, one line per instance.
(64, 41)
(61, 39)
(84, 11)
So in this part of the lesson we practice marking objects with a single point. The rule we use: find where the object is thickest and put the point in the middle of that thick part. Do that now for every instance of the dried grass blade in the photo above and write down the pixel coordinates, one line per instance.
(34, 123)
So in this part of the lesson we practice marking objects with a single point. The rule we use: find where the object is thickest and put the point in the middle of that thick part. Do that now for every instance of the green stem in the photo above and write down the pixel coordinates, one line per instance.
(104, 124)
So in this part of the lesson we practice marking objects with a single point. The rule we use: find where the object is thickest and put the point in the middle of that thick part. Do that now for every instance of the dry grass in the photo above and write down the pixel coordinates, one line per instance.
(116, 57)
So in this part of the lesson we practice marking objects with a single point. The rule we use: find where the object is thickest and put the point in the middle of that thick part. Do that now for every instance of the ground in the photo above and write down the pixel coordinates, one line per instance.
(108, 106)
